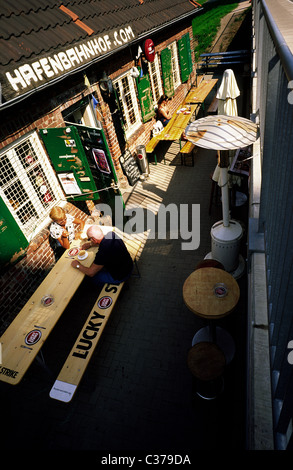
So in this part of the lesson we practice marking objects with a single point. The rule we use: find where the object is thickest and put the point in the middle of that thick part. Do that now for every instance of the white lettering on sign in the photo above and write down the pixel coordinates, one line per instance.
(46, 68)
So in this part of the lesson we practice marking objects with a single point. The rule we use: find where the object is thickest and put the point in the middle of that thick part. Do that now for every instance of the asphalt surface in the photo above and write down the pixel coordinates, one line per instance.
(138, 393)
(137, 396)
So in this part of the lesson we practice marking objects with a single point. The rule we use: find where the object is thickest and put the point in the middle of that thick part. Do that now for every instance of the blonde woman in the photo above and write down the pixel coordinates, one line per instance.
(62, 228)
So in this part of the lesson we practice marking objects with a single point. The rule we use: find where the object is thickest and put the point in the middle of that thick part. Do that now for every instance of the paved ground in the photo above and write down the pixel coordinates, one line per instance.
(137, 393)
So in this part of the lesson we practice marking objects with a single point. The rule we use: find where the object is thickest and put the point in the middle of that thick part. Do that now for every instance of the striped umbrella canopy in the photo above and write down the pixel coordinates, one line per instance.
(222, 132)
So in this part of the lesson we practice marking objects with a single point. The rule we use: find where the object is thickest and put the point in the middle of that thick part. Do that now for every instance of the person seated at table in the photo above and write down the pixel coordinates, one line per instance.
(112, 264)
(62, 230)
(164, 115)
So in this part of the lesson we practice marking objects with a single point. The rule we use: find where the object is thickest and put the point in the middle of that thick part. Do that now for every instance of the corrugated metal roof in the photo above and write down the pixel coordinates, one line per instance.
(20, 19)
(38, 38)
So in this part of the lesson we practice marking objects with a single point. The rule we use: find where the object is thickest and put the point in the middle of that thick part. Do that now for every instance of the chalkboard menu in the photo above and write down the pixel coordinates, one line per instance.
(130, 167)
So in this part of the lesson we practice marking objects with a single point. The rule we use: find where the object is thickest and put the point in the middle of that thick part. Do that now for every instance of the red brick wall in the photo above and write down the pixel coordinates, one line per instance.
(45, 110)
(21, 280)
(144, 133)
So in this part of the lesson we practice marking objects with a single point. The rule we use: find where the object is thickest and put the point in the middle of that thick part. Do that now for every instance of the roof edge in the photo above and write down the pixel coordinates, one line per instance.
(63, 76)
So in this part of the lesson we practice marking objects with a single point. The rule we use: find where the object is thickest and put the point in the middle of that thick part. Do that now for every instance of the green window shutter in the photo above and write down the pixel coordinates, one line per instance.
(145, 98)
(13, 243)
(185, 58)
(167, 72)
(189, 53)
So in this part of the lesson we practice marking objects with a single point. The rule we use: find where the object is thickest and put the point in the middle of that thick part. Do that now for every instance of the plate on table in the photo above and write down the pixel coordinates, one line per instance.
(73, 252)
(83, 255)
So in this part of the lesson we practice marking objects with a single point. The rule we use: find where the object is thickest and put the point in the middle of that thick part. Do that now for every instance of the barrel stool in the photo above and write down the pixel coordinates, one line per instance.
(206, 363)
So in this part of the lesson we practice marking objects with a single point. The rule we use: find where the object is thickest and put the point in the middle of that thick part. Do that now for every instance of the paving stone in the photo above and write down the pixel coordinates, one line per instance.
(137, 391)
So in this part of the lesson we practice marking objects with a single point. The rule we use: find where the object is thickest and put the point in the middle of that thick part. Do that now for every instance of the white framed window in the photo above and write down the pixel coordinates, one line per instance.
(126, 93)
(175, 64)
(80, 113)
(28, 184)
(155, 79)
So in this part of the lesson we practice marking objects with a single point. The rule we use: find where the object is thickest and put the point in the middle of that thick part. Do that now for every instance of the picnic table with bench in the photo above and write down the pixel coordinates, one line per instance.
(181, 117)
(78, 359)
(22, 341)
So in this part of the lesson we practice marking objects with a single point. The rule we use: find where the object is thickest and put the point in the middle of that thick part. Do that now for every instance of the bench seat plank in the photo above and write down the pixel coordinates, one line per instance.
(151, 145)
(187, 148)
(78, 359)
(82, 351)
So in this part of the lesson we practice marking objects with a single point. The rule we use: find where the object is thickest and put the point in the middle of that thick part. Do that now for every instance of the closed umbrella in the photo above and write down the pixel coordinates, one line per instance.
(227, 105)
(227, 94)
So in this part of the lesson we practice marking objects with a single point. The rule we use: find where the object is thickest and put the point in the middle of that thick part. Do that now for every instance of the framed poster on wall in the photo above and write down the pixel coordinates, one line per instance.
(69, 183)
(101, 160)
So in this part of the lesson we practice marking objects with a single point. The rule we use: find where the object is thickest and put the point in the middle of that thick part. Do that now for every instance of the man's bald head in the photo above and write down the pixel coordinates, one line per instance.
(95, 232)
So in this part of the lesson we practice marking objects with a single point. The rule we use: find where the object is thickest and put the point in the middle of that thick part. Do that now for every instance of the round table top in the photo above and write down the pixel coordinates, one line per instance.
(211, 293)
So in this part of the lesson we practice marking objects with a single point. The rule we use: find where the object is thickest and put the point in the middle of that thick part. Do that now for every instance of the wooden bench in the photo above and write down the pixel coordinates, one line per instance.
(213, 107)
(23, 339)
(150, 147)
(78, 359)
(186, 150)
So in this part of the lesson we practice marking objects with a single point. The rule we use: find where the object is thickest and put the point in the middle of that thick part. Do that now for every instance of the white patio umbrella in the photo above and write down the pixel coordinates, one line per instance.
(223, 133)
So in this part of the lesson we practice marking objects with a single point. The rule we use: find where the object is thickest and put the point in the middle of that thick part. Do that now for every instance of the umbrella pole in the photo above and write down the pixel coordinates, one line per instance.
(223, 164)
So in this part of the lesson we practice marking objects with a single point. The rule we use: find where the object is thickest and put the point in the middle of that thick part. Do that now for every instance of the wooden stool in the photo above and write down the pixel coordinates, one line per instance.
(206, 362)
(209, 263)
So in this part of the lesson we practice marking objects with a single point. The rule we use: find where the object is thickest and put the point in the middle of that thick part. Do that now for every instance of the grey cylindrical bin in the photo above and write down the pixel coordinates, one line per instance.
(142, 159)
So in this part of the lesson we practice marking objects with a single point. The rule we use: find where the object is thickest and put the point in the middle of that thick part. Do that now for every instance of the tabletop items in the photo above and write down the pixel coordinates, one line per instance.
(72, 252)
(47, 300)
